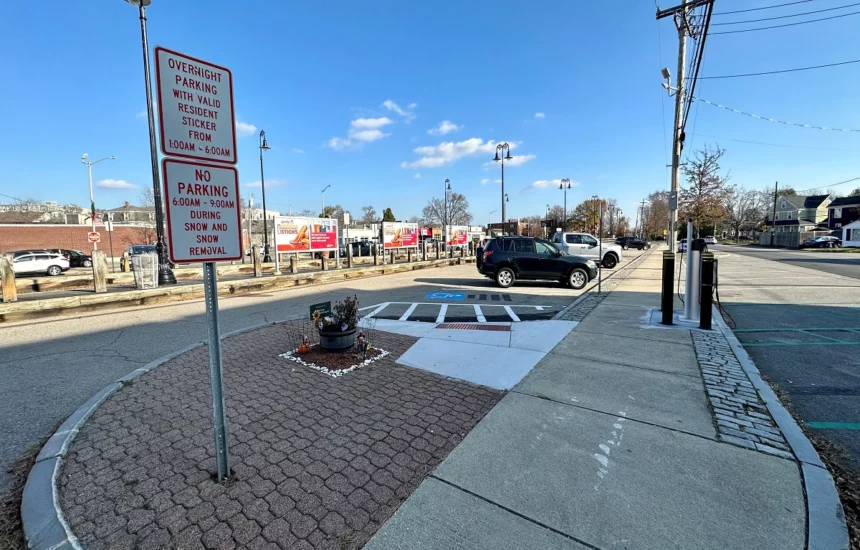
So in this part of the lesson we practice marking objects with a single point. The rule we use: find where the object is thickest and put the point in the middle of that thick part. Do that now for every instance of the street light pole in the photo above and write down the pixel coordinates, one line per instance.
(546, 222)
(322, 212)
(600, 249)
(505, 149)
(165, 274)
(264, 146)
(446, 188)
(92, 200)
(565, 187)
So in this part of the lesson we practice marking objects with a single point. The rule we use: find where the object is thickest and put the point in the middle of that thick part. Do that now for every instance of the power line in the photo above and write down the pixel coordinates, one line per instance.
(789, 24)
(788, 16)
(781, 144)
(827, 186)
(782, 71)
(700, 51)
(762, 8)
(775, 120)
(13, 198)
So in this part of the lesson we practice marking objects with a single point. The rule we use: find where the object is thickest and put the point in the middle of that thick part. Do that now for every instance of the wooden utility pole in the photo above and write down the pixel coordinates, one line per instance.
(773, 221)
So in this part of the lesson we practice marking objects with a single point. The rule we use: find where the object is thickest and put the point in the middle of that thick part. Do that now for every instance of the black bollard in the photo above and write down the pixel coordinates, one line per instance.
(667, 297)
(706, 299)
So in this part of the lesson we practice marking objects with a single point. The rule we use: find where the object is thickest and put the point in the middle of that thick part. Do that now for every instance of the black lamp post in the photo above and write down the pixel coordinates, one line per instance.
(546, 222)
(165, 274)
(264, 146)
(505, 149)
(445, 213)
(565, 184)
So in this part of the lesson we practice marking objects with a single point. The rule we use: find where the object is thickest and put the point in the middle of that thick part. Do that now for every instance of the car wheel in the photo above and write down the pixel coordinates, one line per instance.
(54, 270)
(577, 279)
(610, 261)
(624, 247)
(87, 263)
(505, 277)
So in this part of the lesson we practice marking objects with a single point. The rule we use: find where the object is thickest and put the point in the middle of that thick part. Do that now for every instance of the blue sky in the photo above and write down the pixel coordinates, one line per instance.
(348, 91)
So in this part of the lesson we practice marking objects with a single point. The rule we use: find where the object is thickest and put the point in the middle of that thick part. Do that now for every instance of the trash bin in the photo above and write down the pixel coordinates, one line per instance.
(145, 268)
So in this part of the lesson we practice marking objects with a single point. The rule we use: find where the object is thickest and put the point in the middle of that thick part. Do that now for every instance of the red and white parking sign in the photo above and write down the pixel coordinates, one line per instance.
(203, 211)
(195, 108)
(94, 237)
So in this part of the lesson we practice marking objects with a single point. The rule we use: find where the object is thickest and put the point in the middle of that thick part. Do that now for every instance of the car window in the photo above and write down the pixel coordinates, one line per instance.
(524, 245)
(491, 245)
(589, 240)
(572, 239)
(545, 249)
(43, 257)
(24, 259)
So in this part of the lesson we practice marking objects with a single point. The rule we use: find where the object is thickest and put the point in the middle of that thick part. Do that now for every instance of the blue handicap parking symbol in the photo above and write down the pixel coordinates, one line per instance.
(445, 296)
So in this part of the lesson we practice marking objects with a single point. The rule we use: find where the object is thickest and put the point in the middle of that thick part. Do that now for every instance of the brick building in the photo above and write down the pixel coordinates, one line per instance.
(22, 236)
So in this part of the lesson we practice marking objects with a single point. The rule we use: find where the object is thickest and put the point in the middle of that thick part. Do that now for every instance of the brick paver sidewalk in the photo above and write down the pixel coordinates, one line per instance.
(319, 462)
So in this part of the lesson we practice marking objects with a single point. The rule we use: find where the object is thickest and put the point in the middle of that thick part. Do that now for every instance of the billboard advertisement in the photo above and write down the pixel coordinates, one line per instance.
(296, 234)
(399, 235)
(457, 235)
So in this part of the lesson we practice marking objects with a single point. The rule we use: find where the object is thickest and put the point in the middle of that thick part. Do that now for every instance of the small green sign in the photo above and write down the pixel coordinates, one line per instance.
(323, 309)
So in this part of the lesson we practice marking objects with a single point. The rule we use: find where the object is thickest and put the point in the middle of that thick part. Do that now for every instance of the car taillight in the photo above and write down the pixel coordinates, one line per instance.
(487, 254)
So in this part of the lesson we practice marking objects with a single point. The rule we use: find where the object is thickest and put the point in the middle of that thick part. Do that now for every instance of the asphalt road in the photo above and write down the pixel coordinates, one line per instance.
(49, 367)
(801, 327)
(837, 263)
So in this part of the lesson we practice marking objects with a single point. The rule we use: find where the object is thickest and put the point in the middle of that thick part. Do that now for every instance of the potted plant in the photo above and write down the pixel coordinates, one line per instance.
(337, 333)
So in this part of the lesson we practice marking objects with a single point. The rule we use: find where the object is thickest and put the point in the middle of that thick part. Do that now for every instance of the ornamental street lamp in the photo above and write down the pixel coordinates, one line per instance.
(565, 184)
(89, 164)
(264, 146)
(505, 150)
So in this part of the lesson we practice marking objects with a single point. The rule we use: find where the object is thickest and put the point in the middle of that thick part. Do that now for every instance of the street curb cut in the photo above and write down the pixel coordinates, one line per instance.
(45, 526)
(633, 263)
(825, 518)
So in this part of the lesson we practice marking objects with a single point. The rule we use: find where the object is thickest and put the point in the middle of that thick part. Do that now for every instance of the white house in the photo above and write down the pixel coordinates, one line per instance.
(851, 234)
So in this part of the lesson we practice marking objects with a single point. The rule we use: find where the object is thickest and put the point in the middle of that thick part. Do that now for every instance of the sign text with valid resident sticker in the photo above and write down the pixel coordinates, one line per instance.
(202, 206)
(195, 106)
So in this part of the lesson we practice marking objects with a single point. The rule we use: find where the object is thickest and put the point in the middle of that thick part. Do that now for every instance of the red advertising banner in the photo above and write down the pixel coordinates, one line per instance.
(399, 235)
(457, 235)
(296, 234)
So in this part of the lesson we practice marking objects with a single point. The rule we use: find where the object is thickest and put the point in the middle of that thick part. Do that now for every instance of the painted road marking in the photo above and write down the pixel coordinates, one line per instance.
(377, 310)
(445, 296)
(512, 314)
(833, 425)
(479, 314)
(824, 340)
(409, 311)
(442, 311)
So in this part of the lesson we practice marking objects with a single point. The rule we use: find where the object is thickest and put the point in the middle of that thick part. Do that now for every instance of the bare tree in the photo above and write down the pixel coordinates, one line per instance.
(622, 226)
(456, 213)
(147, 198)
(742, 209)
(335, 211)
(368, 214)
(418, 219)
(611, 213)
(655, 214)
(556, 216)
(704, 198)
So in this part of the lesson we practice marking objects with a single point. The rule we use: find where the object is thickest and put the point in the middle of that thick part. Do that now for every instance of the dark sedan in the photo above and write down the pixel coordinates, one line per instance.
(822, 242)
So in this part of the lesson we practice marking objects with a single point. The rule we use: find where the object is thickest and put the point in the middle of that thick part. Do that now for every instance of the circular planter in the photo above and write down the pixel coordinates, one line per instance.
(337, 340)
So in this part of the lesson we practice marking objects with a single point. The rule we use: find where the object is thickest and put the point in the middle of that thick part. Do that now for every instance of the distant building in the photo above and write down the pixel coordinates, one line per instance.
(798, 213)
(131, 214)
(843, 211)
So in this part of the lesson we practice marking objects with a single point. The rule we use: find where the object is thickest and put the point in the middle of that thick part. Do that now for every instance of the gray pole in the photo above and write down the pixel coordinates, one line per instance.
(773, 221)
(165, 274)
(504, 218)
(564, 221)
(600, 252)
(92, 203)
(219, 417)
(676, 134)
(264, 145)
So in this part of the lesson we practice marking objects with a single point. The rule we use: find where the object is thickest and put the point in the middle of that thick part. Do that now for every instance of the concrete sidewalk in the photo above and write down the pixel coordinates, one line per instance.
(613, 441)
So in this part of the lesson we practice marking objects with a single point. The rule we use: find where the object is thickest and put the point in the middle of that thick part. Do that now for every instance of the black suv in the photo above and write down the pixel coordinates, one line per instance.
(632, 242)
(506, 259)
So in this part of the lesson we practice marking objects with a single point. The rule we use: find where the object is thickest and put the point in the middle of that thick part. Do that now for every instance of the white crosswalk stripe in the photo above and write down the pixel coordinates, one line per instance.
(479, 313)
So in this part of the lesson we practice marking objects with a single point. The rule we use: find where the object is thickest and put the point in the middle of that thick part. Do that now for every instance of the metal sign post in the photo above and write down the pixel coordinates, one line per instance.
(219, 417)
(600, 252)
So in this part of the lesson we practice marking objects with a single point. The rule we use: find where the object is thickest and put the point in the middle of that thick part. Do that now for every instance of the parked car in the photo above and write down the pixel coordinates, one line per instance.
(77, 258)
(632, 242)
(40, 263)
(583, 244)
(822, 242)
(363, 248)
(15, 253)
(135, 249)
(710, 240)
(506, 259)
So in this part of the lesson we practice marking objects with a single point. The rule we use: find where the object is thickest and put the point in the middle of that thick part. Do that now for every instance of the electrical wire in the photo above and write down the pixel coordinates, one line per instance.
(763, 7)
(788, 16)
(802, 191)
(700, 51)
(782, 71)
(789, 24)
(775, 120)
(781, 145)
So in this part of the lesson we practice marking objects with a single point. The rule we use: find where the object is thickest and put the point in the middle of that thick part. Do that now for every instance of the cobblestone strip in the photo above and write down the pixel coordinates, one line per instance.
(741, 417)
(591, 298)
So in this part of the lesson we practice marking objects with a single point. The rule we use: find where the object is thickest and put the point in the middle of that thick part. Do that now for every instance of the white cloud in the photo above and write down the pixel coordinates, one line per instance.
(269, 183)
(417, 176)
(540, 115)
(434, 156)
(408, 116)
(115, 184)
(445, 127)
(485, 181)
(298, 151)
(243, 129)
(141, 114)
(361, 130)
(498, 181)
(549, 184)
(517, 160)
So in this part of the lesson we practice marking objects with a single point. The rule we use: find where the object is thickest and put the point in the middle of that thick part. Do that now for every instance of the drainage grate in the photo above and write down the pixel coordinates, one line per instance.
(473, 326)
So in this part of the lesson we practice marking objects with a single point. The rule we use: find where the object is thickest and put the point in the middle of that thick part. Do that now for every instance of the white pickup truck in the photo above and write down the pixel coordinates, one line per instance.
(583, 244)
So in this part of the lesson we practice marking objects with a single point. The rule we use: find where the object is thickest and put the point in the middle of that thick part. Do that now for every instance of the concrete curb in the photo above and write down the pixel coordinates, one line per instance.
(825, 519)
(45, 526)
(633, 263)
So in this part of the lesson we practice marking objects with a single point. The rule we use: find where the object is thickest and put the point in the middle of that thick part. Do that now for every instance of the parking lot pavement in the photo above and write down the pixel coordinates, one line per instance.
(837, 263)
(801, 327)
